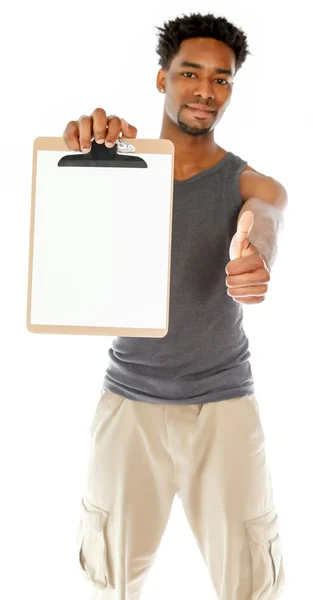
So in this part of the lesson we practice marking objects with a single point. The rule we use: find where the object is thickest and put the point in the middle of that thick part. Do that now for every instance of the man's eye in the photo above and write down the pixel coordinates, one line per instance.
(222, 81)
(187, 73)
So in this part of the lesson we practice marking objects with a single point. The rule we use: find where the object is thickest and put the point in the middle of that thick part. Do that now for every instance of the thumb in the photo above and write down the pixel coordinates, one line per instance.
(241, 237)
(128, 131)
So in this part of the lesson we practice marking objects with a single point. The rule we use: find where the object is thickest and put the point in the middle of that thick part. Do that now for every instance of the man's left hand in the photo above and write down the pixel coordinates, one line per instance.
(247, 272)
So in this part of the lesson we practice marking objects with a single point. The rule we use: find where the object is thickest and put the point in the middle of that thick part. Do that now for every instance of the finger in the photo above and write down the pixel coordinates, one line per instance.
(128, 130)
(245, 224)
(100, 122)
(245, 264)
(113, 130)
(117, 126)
(85, 133)
(241, 237)
(244, 292)
(250, 300)
(71, 135)
(252, 278)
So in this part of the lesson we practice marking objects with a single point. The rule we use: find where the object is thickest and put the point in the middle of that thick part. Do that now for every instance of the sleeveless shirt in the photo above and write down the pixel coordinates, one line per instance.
(205, 355)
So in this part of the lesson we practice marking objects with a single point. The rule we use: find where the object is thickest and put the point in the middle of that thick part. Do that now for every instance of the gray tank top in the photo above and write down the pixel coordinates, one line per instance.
(205, 355)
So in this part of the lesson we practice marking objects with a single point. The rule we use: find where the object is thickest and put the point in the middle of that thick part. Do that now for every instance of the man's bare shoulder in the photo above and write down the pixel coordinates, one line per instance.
(254, 183)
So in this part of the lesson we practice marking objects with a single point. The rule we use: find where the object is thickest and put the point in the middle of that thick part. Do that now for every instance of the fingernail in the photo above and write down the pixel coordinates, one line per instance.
(84, 150)
(100, 141)
(109, 144)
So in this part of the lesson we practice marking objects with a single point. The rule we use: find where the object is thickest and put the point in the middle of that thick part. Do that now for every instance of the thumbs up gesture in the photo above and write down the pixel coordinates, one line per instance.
(247, 273)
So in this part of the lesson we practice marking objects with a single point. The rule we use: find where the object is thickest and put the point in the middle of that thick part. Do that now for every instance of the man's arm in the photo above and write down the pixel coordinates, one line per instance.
(267, 199)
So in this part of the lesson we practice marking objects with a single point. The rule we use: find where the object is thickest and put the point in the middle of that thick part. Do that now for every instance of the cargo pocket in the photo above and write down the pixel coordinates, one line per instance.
(266, 557)
(92, 545)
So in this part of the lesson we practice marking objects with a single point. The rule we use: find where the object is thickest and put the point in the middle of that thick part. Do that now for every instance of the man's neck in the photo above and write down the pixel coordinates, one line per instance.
(193, 153)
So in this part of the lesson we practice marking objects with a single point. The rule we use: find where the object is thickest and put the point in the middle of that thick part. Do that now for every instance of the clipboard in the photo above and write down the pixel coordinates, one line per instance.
(100, 238)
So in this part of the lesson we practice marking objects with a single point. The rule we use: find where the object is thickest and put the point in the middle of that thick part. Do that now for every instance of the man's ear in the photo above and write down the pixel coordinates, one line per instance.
(161, 80)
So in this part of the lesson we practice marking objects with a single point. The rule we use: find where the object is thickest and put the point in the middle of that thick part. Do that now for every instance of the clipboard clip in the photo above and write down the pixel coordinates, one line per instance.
(101, 156)
(122, 146)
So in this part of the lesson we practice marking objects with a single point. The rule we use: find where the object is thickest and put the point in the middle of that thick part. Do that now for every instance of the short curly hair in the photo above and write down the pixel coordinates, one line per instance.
(196, 25)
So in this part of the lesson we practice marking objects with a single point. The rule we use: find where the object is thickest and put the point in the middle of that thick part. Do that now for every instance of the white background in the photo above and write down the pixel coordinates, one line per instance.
(57, 64)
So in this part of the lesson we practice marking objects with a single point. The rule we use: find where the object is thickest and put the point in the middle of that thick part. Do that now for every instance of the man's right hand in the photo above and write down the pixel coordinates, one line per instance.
(79, 134)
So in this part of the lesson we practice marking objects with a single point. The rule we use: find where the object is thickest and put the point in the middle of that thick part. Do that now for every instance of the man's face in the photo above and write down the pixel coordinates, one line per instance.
(200, 74)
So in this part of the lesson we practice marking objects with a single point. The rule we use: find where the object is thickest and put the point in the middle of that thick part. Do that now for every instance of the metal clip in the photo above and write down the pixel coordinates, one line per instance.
(123, 147)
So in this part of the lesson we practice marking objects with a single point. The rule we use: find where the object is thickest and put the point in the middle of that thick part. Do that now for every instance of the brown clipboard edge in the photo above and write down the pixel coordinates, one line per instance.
(142, 146)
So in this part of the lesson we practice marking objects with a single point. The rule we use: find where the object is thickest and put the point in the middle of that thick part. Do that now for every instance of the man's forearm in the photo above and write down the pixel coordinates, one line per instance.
(268, 220)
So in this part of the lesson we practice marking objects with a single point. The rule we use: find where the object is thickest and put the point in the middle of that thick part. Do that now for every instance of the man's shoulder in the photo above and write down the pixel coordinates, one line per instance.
(254, 183)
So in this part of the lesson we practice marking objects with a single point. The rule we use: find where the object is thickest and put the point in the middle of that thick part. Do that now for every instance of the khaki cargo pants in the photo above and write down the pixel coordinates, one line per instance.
(212, 455)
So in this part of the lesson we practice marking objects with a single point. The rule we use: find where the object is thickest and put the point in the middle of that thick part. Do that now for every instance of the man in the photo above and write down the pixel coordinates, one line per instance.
(179, 414)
